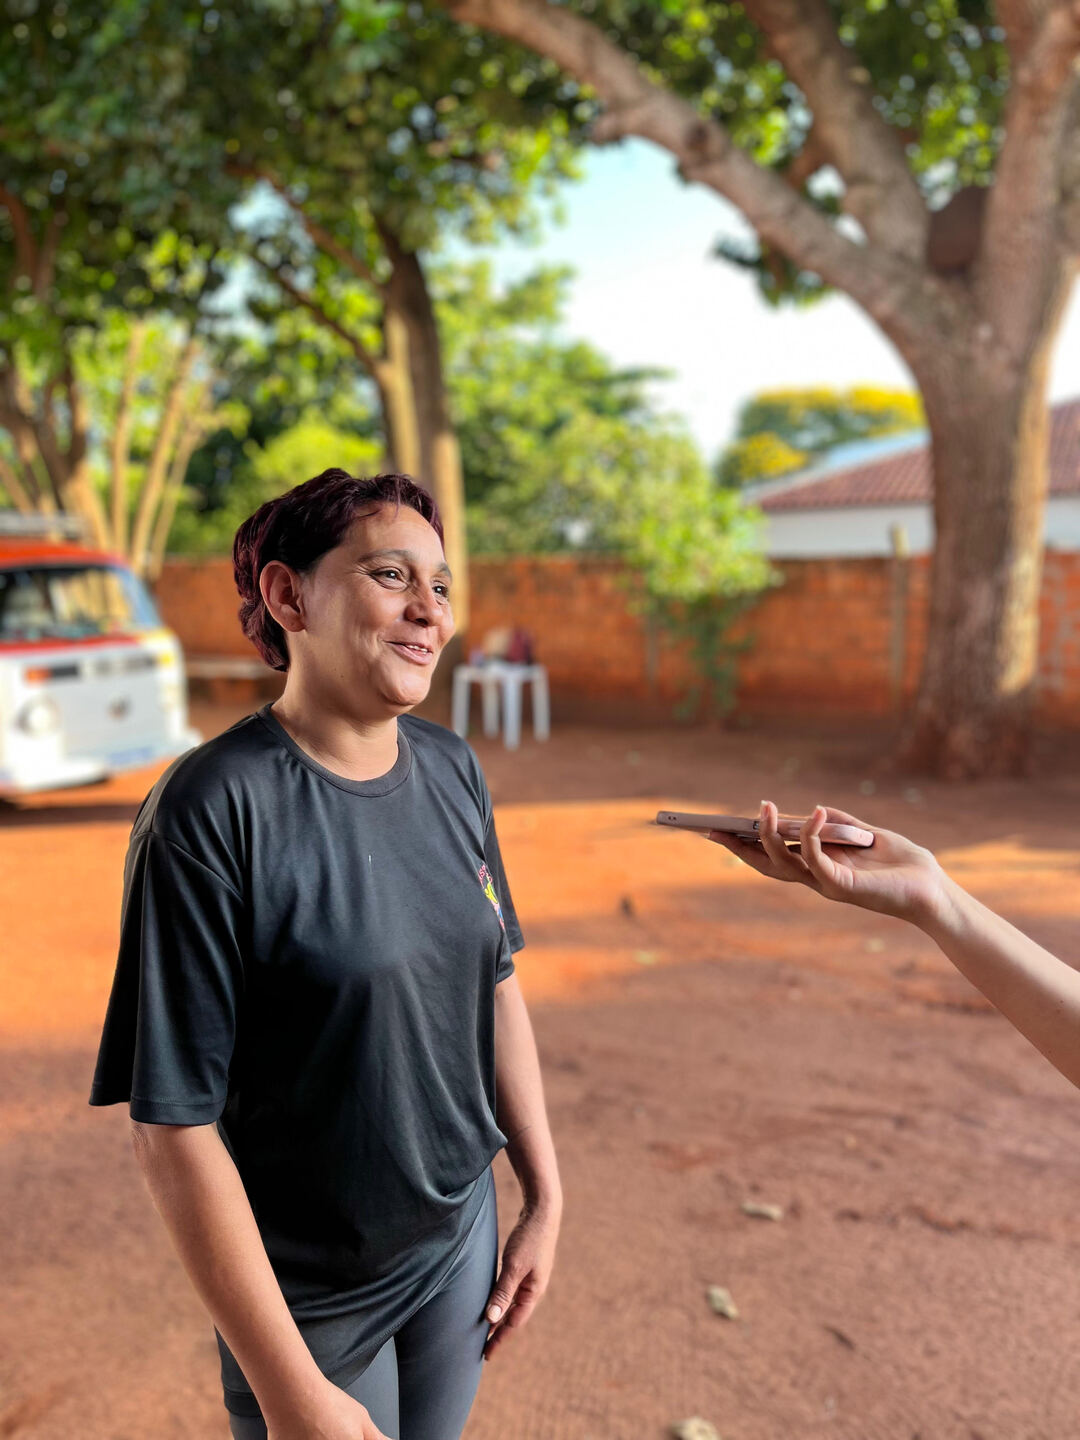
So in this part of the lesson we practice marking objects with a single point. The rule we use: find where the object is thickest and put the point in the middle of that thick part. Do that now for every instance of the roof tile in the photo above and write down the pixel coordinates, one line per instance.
(904, 478)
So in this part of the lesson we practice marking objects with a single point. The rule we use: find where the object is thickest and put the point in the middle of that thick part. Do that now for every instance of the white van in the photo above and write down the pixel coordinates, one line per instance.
(91, 682)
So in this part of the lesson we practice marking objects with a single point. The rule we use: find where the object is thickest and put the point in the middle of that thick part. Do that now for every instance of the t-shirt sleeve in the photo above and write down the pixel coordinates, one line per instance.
(172, 1016)
(513, 940)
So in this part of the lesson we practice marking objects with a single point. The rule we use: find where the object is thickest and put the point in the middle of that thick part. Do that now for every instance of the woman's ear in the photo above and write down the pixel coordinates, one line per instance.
(282, 592)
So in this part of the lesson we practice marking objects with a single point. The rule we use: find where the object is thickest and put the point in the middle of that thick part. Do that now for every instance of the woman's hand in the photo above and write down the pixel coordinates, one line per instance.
(335, 1416)
(527, 1261)
(893, 876)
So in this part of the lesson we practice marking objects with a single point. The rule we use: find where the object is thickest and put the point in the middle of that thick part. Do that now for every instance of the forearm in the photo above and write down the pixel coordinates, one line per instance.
(198, 1192)
(1038, 993)
(521, 1112)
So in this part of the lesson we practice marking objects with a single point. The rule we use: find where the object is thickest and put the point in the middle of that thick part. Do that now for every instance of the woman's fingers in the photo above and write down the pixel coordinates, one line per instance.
(748, 851)
(786, 865)
(502, 1297)
(528, 1257)
(820, 865)
(752, 853)
(841, 817)
(516, 1317)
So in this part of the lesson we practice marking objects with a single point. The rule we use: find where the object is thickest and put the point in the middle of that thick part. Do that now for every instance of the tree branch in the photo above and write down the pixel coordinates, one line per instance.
(120, 447)
(322, 238)
(881, 192)
(1022, 245)
(25, 246)
(78, 420)
(79, 493)
(318, 234)
(17, 423)
(190, 436)
(14, 487)
(154, 481)
(45, 267)
(301, 297)
(807, 162)
(47, 445)
(890, 288)
(1021, 19)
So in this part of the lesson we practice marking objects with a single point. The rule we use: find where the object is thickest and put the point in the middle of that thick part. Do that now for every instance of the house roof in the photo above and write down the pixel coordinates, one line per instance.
(903, 477)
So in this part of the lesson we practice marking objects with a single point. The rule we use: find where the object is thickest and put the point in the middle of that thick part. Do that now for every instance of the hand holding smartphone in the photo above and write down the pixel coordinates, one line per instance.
(745, 828)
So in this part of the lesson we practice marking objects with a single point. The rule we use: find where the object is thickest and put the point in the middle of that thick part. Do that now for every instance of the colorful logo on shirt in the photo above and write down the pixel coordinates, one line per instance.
(489, 890)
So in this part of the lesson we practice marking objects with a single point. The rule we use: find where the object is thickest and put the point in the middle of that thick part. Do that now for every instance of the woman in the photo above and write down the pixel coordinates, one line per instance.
(315, 1004)
(1038, 993)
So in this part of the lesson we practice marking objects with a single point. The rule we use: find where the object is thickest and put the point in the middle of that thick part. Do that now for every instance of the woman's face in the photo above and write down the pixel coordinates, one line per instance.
(374, 613)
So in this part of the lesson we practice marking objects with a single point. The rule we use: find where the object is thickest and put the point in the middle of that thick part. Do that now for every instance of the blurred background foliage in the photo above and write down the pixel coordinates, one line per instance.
(212, 216)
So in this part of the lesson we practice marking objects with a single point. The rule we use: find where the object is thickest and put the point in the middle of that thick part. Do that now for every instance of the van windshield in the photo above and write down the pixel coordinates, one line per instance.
(72, 602)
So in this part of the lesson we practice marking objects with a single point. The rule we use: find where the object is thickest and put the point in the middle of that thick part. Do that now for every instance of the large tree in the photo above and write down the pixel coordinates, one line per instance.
(105, 367)
(925, 159)
(369, 144)
(373, 140)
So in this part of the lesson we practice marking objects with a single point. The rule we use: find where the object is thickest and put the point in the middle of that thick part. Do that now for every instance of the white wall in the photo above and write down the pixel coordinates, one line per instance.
(864, 530)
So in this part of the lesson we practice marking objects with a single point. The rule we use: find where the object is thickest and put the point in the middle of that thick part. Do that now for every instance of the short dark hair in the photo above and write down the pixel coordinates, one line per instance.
(298, 528)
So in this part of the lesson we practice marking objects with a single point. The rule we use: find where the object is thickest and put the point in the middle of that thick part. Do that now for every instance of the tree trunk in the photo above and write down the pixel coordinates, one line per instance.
(186, 446)
(394, 383)
(79, 495)
(14, 488)
(80, 498)
(440, 455)
(989, 444)
(176, 397)
(121, 437)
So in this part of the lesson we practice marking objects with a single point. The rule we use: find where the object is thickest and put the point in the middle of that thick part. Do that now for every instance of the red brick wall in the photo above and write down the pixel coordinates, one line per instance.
(823, 640)
(198, 599)
(1059, 641)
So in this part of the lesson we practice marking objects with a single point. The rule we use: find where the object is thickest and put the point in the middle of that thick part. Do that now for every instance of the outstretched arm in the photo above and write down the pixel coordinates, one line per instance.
(1038, 993)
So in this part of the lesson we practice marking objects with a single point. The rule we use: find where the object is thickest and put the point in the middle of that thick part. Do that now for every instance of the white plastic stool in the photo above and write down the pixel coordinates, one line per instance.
(499, 678)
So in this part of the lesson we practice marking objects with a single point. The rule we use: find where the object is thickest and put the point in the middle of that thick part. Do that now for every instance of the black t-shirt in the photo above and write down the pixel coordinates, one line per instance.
(311, 962)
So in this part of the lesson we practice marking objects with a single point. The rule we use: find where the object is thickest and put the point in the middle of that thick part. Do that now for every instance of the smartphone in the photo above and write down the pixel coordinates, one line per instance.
(743, 828)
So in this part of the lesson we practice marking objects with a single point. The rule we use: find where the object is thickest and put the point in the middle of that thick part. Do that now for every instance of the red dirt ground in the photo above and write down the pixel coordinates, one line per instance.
(708, 1039)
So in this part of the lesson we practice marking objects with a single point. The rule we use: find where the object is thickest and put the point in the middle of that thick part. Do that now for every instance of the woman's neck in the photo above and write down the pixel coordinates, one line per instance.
(355, 749)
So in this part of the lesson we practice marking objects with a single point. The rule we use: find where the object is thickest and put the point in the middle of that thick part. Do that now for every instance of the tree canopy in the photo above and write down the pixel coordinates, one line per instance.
(780, 431)
(924, 158)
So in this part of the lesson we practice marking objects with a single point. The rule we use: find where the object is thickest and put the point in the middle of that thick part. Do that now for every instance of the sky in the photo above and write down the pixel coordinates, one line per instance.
(648, 292)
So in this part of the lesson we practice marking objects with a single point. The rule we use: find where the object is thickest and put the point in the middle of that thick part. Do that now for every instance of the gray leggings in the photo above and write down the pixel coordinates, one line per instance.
(422, 1383)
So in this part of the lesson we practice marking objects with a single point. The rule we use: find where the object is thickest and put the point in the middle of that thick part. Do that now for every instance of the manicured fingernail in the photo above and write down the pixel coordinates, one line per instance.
(494, 1312)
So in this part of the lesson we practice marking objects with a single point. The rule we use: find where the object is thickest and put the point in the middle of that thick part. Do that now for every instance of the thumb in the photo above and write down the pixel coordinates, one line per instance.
(502, 1297)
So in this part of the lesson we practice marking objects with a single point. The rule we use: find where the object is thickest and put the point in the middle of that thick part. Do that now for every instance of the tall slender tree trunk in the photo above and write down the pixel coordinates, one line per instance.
(13, 487)
(176, 397)
(121, 438)
(393, 380)
(186, 446)
(80, 498)
(440, 454)
(989, 432)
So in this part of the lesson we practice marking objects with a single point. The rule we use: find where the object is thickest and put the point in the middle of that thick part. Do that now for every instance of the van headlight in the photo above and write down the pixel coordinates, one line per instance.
(39, 716)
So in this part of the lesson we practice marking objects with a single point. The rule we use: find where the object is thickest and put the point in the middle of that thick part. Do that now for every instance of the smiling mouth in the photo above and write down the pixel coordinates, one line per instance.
(418, 654)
